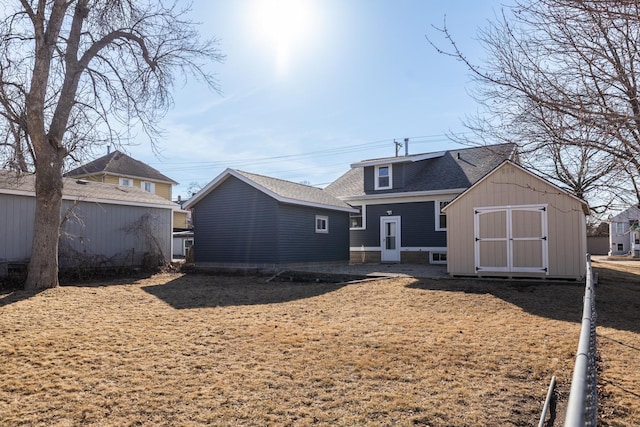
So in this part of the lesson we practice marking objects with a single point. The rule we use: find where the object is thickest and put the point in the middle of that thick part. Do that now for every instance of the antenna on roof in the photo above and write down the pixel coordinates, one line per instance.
(406, 147)
(398, 145)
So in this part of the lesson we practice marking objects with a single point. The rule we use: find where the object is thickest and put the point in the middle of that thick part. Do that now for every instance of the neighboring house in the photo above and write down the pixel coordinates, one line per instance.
(513, 223)
(400, 200)
(120, 169)
(246, 220)
(103, 225)
(624, 233)
(182, 242)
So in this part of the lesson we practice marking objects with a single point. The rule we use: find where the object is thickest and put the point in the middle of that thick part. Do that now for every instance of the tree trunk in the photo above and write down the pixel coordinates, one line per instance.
(43, 266)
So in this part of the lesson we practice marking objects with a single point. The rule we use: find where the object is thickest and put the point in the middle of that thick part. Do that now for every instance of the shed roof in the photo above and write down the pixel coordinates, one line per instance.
(120, 164)
(450, 170)
(80, 190)
(281, 190)
(584, 204)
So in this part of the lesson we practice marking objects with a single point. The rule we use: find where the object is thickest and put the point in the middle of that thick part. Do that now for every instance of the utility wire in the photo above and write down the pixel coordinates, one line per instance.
(191, 165)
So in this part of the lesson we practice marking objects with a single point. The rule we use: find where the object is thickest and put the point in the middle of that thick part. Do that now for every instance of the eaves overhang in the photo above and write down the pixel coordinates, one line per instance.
(410, 194)
(399, 159)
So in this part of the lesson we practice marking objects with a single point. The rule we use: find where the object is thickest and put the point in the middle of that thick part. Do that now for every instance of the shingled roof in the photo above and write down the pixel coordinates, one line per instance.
(118, 163)
(449, 170)
(76, 189)
(282, 190)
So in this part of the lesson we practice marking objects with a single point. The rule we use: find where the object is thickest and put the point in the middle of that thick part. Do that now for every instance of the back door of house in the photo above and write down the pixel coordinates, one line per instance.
(390, 236)
(511, 239)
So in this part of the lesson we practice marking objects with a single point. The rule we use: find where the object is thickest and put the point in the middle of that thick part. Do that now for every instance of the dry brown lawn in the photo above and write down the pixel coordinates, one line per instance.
(221, 350)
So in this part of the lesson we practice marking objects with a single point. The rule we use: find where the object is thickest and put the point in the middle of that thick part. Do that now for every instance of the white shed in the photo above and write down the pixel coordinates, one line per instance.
(513, 223)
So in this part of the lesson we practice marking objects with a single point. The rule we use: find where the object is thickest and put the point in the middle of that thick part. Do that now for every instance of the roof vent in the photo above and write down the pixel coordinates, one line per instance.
(82, 181)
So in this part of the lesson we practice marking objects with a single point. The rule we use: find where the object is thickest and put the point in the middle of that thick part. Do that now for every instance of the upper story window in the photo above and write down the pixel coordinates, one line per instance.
(322, 224)
(356, 220)
(125, 182)
(620, 228)
(149, 187)
(441, 217)
(383, 177)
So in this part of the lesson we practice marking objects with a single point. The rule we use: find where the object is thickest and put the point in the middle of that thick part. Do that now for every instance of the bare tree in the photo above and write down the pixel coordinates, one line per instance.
(561, 81)
(71, 71)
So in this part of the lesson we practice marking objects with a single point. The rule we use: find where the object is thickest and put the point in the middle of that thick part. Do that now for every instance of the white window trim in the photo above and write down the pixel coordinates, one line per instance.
(129, 180)
(438, 213)
(151, 185)
(363, 213)
(324, 230)
(377, 177)
(431, 261)
(620, 228)
(184, 245)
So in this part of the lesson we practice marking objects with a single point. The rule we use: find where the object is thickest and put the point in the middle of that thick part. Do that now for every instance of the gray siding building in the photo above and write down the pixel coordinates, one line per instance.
(248, 220)
(624, 232)
(103, 225)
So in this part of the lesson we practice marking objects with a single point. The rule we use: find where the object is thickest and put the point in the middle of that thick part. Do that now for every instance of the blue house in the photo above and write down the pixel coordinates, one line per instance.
(245, 220)
(399, 201)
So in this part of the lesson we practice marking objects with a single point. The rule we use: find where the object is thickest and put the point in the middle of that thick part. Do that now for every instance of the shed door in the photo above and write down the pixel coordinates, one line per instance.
(511, 239)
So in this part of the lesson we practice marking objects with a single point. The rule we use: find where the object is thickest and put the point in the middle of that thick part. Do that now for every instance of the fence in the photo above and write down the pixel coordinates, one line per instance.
(582, 408)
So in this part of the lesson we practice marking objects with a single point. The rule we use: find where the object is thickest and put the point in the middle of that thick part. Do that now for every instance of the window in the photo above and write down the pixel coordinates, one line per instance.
(149, 187)
(620, 247)
(187, 245)
(322, 224)
(441, 218)
(438, 257)
(620, 228)
(383, 177)
(126, 182)
(356, 220)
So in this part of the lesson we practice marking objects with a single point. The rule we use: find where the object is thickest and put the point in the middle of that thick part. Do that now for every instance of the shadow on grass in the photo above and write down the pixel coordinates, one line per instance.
(617, 297)
(12, 296)
(203, 291)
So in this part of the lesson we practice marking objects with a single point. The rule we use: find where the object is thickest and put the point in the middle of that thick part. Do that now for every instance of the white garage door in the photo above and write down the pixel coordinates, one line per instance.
(511, 239)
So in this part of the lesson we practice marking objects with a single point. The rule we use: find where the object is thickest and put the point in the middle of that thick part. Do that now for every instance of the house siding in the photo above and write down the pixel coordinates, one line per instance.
(236, 223)
(398, 178)
(418, 225)
(93, 234)
(109, 234)
(180, 219)
(16, 227)
(299, 241)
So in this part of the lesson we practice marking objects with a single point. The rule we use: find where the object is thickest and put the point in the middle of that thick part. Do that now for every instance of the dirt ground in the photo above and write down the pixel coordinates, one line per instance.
(192, 350)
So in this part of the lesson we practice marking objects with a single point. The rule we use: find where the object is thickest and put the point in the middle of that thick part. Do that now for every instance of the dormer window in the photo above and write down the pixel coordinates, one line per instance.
(383, 177)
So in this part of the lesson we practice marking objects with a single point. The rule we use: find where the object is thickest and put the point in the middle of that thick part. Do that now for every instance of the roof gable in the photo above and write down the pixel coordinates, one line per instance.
(585, 206)
(120, 164)
(630, 214)
(281, 190)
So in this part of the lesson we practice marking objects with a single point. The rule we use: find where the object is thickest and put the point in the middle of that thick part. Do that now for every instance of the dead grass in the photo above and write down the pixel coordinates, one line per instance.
(198, 350)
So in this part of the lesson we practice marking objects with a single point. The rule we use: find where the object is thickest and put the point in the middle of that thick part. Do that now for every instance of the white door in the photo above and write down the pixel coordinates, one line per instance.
(511, 239)
(390, 235)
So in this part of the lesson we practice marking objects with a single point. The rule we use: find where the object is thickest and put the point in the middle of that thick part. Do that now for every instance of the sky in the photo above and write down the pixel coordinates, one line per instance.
(309, 87)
